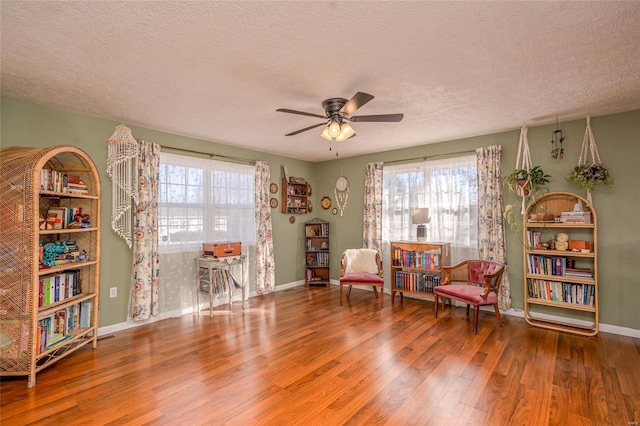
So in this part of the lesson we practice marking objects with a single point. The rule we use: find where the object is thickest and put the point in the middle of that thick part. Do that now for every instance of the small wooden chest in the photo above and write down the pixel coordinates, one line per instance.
(579, 245)
(222, 249)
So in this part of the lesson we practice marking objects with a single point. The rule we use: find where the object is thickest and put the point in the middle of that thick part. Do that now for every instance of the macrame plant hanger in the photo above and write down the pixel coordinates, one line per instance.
(523, 161)
(589, 145)
(122, 161)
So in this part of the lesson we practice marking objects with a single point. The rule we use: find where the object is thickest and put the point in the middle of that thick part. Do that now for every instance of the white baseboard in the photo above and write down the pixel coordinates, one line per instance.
(607, 328)
(289, 285)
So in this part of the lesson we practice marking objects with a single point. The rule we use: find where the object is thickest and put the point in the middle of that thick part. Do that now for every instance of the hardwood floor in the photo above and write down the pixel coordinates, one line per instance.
(297, 357)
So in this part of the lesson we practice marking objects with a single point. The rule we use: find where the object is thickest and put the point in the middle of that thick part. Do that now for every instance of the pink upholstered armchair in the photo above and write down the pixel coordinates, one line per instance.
(361, 267)
(477, 284)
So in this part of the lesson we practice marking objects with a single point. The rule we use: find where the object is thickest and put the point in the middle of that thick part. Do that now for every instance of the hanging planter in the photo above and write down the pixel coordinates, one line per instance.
(524, 187)
(589, 175)
(526, 181)
(523, 182)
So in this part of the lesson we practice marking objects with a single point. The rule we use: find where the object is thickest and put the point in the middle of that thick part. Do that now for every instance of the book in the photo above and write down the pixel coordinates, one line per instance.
(85, 313)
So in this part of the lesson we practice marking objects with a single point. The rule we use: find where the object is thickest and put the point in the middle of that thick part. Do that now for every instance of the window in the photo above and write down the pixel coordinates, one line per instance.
(204, 200)
(448, 187)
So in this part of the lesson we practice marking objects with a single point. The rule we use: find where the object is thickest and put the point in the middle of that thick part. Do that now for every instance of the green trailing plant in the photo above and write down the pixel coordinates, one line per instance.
(516, 182)
(535, 176)
(588, 176)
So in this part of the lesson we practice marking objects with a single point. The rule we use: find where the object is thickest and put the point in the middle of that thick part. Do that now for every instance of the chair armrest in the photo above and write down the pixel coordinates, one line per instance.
(379, 262)
(492, 282)
(342, 264)
(456, 273)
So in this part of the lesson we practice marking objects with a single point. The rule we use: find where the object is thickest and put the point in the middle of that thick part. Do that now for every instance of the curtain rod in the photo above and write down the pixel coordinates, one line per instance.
(426, 157)
(210, 155)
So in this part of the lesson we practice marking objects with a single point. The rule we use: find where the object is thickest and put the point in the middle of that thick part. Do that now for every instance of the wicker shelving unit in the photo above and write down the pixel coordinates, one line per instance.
(39, 327)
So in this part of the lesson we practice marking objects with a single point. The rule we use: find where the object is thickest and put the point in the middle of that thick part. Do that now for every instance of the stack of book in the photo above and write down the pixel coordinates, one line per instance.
(575, 217)
(579, 272)
(75, 185)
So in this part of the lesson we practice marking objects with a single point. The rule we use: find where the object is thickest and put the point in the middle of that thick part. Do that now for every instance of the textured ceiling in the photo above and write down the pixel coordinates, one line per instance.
(219, 70)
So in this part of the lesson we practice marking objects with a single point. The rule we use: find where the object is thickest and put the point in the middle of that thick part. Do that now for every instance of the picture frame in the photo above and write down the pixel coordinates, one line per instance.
(273, 202)
(273, 188)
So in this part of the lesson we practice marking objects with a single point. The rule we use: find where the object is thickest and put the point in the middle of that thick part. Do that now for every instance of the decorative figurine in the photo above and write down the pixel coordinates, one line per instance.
(77, 222)
(83, 256)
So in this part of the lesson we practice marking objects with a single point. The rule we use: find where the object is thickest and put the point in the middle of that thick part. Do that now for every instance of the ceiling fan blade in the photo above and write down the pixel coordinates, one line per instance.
(292, 111)
(355, 102)
(305, 129)
(389, 118)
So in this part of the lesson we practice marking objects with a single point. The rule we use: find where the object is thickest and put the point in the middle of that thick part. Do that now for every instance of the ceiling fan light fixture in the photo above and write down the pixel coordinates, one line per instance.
(336, 111)
(346, 130)
(325, 134)
(334, 128)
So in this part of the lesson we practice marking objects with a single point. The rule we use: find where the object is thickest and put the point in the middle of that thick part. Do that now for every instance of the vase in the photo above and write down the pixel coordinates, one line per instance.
(523, 187)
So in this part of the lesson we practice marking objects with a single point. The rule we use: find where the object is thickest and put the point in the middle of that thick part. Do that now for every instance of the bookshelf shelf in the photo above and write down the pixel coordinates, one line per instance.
(563, 305)
(295, 196)
(561, 285)
(66, 231)
(49, 278)
(558, 225)
(317, 253)
(417, 267)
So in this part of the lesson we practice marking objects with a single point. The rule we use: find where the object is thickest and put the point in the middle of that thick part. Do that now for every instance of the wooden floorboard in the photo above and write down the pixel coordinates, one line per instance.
(296, 357)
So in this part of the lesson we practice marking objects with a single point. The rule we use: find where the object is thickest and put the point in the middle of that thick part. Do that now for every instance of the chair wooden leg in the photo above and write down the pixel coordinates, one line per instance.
(375, 290)
(495, 308)
(436, 304)
(475, 317)
(467, 310)
(381, 296)
(341, 294)
(349, 291)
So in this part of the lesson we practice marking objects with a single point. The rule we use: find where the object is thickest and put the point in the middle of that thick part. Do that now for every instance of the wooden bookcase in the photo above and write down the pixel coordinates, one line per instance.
(561, 285)
(417, 267)
(49, 269)
(317, 253)
(295, 196)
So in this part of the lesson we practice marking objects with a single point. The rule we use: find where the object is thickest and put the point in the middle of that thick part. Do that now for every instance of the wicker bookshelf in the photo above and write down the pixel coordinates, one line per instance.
(49, 270)
(561, 283)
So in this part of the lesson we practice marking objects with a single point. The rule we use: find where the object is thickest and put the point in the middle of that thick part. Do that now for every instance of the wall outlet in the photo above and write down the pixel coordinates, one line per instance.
(113, 292)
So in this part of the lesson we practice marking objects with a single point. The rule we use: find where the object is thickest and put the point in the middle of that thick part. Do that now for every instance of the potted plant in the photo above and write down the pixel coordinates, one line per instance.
(523, 182)
(588, 176)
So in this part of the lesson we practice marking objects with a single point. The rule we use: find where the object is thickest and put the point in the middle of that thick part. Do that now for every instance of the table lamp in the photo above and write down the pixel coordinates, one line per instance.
(419, 217)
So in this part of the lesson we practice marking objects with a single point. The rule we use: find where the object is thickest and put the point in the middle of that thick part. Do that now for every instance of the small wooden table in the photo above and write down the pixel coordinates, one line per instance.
(215, 263)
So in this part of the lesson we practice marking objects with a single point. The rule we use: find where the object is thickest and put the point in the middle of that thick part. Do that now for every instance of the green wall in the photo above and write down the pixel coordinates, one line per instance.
(25, 124)
(618, 139)
(617, 207)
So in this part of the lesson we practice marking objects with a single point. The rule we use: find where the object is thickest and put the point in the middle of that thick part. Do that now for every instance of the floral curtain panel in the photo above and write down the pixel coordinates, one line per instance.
(491, 241)
(372, 220)
(265, 264)
(146, 263)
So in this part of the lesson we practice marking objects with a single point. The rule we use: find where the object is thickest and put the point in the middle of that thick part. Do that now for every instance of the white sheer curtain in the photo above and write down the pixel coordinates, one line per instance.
(449, 188)
(201, 200)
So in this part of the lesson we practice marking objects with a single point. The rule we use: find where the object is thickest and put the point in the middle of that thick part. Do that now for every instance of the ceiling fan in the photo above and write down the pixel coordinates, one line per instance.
(337, 112)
